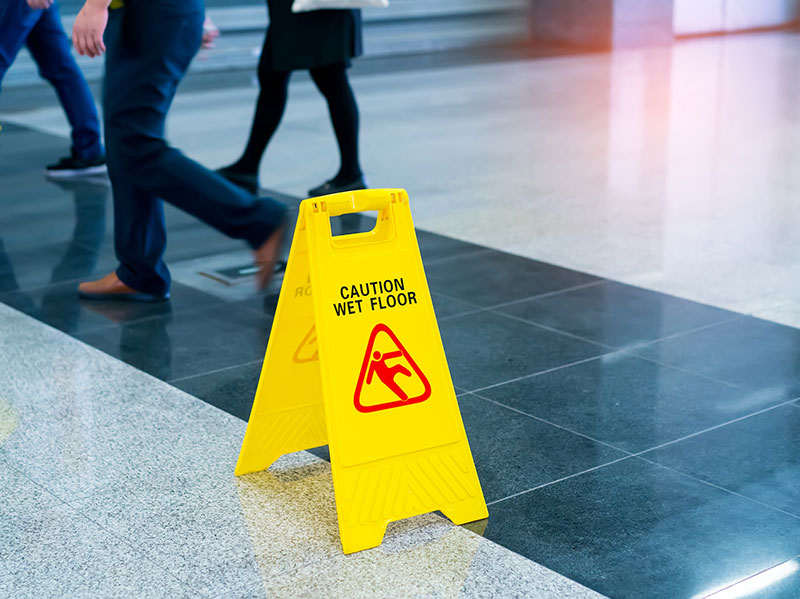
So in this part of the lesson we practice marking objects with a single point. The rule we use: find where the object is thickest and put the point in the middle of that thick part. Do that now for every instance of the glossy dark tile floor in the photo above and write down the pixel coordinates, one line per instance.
(644, 445)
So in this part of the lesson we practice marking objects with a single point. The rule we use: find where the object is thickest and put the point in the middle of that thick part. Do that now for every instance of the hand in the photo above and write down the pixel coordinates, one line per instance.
(210, 33)
(90, 24)
(40, 4)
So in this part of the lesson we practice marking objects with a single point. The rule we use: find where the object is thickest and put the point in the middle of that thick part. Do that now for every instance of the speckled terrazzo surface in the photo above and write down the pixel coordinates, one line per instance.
(115, 484)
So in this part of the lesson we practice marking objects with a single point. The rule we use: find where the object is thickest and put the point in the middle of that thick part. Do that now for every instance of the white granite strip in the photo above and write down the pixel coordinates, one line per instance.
(117, 484)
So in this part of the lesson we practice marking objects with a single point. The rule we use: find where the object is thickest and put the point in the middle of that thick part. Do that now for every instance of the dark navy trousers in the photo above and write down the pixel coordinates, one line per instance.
(149, 48)
(41, 30)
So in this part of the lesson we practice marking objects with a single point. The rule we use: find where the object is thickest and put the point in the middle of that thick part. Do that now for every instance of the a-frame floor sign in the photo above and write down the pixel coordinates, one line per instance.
(355, 360)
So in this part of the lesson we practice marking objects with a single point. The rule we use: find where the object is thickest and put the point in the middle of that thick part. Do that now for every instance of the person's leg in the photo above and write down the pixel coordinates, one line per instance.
(16, 22)
(147, 54)
(333, 84)
(270, 106)
(50, 48)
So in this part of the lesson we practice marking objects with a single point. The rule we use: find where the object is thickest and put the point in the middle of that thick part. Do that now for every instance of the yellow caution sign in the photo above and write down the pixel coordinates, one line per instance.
(355, 360)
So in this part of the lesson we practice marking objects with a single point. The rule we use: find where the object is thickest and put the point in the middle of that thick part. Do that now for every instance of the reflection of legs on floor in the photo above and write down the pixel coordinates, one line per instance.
(8, 280)
(90, 224)
(80, 258)
(154, 338)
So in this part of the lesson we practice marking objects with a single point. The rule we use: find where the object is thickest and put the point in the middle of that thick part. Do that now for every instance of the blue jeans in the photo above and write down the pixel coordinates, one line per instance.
(149, 46)
(41, 30)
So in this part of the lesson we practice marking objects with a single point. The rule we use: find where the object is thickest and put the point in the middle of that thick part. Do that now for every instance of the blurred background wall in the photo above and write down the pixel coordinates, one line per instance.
(423, 27)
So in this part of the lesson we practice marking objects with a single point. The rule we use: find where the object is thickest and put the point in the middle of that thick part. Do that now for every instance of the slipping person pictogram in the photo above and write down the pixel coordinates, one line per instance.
(386, 373)
(383, 347)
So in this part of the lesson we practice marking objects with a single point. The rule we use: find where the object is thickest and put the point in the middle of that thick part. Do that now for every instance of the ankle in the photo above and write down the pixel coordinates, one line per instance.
(347, 176)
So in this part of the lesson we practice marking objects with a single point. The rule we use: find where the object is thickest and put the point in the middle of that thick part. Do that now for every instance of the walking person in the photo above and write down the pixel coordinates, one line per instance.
(150, 44)
(323, 42)
(37, 24)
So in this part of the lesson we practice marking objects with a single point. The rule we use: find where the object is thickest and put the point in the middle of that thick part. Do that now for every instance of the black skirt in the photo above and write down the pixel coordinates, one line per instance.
(311, 39)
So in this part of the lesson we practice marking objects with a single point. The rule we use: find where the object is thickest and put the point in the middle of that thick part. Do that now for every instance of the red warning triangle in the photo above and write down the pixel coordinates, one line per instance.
(389, 374)
(307, 351)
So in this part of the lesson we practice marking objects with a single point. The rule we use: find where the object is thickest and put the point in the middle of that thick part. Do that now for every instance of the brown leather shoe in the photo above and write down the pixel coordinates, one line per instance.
(111, 288)
(266, 256)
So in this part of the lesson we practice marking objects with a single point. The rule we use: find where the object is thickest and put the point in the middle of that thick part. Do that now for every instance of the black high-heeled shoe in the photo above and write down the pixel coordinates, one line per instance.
(330, 187)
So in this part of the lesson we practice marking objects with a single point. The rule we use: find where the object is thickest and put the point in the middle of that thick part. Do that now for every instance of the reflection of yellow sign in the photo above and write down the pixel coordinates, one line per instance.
(381, 391)
(9, 420)
(307, 350)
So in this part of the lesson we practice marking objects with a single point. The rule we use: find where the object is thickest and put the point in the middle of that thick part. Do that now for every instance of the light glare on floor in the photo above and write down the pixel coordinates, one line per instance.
(754, 583)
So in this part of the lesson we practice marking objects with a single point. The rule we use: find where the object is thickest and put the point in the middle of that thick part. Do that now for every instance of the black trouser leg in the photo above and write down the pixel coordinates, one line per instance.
(332, 82)
(269, 112)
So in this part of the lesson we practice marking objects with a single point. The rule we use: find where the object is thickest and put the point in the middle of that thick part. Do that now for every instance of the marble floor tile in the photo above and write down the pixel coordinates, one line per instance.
(231, 389)
(486, 348)
(434, 248)
(184, 344)
(433, 561)
(630, 403)
(617, 315)
(514, 453)
(55, 552)
(78, 423)
(80, 448)
(45, 265)
(634, 526)
(758, 457)
(37, 211)
(487, 279)
(21, 496)
(232, 534)
(752, 353)
(60, 306)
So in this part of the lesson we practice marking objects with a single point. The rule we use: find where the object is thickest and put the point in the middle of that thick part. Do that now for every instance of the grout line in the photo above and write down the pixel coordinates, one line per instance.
(496, 501)
(528, 376)
(565, 333)
(137, 321)
(514, 302)
(721, 488)
(690, 372)
(137, 550)
(548, 294)
(716, 592)
(242, 305)
(631, 349)
(38, 288)
(688, 332)
(7, 459)
(446, 259)
(69, 504)
(745, 417)
(553, 424)
(194, 376)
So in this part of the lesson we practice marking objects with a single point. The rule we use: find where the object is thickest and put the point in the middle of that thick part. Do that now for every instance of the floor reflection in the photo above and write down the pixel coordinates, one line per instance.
(78, 261)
